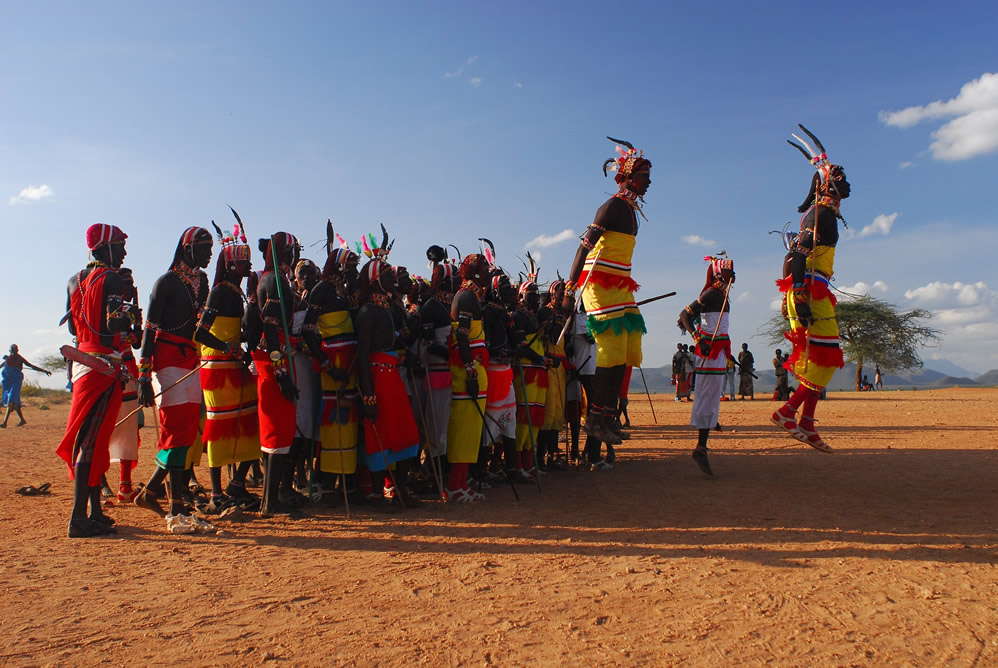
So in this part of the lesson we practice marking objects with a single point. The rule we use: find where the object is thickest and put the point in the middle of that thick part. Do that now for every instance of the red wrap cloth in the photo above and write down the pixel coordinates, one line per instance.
(393, 436)
(179, 422)
(277, 414)
(88, 310)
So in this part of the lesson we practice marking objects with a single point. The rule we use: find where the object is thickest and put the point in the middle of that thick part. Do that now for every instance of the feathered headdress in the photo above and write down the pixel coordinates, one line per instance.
(532, 272)
(489, 251)
(628, 160)
(372, 249)
(234, 245)
(826, 176)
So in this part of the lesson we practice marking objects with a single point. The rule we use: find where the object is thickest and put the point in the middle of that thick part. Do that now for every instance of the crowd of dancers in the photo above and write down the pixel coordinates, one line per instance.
(354, 381)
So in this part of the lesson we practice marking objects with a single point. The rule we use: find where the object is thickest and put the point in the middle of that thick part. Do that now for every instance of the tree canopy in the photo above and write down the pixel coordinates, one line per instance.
(873, 330)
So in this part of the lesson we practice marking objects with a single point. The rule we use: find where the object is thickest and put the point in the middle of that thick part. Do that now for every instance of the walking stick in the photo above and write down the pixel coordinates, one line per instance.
(426, 433)
(578, 300)
(391, 476)
(530, 427)
(719, 315)
(284, 315)
(488, 432)
(165, 390)
(650, 404)
(655, 299)
(438, 471)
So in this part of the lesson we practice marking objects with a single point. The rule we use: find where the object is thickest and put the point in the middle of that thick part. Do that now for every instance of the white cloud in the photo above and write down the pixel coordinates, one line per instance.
(475, 81)
(861, 288)
(906, 164)
(697, 240)
(32, 194)
(460, 70)
(938, 294)
(776, 304)
(881, 225)
(517, 84)
(973, 131)
(545, 240)
(745, 296)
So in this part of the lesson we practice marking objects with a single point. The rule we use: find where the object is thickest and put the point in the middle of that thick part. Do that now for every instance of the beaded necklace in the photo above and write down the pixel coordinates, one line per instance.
(190, 277)
(235, 288)
(375, 299)
(479, 291)
(631, 198)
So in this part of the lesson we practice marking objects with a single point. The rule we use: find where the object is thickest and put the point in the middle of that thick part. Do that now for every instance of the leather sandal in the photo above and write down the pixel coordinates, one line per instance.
(788, 424)
(812, 438)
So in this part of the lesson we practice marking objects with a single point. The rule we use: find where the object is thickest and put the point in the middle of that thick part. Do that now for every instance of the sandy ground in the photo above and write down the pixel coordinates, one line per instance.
(884, 552)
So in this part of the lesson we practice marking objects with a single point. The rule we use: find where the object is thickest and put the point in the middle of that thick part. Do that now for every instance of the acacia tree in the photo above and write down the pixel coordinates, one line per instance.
(871, 329)
(54, 363)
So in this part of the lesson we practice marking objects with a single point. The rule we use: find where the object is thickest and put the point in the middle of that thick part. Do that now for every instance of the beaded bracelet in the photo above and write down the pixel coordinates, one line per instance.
(145, 369)
(370, 400)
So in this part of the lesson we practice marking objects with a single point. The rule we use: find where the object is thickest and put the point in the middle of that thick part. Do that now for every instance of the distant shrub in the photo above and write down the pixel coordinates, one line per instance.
(43, 406)
(31, 388)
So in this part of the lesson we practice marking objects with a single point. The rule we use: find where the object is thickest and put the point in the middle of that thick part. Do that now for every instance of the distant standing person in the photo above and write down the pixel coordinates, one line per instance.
(782, 391)
(677, 368)
(13, 376)
(747, 363)
(878, 380)
(729, 381)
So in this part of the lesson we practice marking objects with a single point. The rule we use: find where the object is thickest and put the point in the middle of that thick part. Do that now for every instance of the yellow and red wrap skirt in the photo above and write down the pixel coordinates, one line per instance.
(464, 426)
(530, 382)
(231, 430)
(816, 353)
(554, 403)
(339, 413)
(613, 316)
(393, 436)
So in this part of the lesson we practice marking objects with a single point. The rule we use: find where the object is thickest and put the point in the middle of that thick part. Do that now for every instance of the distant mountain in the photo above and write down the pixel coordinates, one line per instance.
(949, 368)
(844, 379)
(950, 381)
(989, 379)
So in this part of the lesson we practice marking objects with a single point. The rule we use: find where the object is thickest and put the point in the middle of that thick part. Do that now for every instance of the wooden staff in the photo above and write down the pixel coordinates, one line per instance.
(719, 315)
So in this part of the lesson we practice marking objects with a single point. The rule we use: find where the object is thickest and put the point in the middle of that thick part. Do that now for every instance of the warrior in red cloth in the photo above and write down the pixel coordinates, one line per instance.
(390, 433)
(168, 378)
(276, 389)
(98, 316)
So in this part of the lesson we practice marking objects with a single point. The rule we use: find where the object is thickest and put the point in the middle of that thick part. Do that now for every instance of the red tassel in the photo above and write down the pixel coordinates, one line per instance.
(216, 379)
(819, 289)
(610, 280)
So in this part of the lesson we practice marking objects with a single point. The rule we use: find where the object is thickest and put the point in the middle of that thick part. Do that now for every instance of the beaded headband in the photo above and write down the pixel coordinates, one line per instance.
(99, 234)
(626, 161)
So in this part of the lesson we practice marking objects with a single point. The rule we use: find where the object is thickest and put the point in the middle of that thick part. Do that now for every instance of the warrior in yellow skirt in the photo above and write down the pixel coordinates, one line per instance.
(469, 382)
(602, 267)
(809, 304)
(329, 331)
(231, 430)
(530, 378)
(553, 317)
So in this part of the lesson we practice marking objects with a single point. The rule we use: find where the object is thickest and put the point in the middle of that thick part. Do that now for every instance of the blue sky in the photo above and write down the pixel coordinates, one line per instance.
(450, 121)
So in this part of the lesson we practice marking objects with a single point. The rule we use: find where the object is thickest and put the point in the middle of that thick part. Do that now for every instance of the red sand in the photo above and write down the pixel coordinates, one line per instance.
(884, 552)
